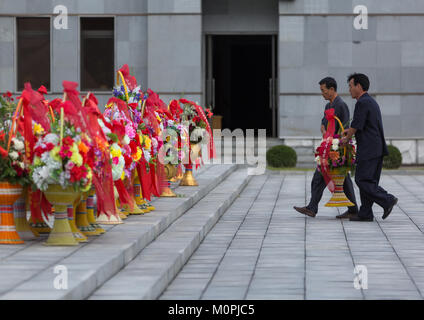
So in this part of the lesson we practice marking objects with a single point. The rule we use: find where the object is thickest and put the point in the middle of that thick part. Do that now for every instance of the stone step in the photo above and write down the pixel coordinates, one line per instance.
(148, 275)
(28, 272)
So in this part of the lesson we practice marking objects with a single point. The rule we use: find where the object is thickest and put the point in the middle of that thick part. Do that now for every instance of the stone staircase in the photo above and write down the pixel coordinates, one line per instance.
(134, 260)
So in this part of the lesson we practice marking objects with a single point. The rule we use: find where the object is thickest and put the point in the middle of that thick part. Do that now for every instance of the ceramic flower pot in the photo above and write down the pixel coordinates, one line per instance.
(61, 234)
(338, 198)
(9, 193)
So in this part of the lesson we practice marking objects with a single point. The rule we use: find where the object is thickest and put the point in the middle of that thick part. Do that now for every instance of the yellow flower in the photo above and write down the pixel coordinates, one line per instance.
(147, 142)
(54, 153)
(115, 152)
(77, 159)
(37, 161)
(38, 129)
(138, 155)
(123, 175)
(159, 119)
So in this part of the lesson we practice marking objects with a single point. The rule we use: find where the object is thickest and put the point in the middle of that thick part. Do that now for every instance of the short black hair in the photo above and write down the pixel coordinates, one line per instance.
(329, 83)
(360, 78)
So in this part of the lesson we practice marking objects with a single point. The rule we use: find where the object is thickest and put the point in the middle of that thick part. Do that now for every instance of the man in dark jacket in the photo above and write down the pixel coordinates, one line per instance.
(328, 88)
(367, 126)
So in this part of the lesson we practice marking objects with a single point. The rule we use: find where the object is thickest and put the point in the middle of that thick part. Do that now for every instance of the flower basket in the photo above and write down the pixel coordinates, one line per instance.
(335, 162)
(338, 198)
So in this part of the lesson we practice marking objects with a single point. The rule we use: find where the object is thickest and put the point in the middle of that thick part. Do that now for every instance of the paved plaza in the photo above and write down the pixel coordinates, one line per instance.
(262, 249)
(236, 236)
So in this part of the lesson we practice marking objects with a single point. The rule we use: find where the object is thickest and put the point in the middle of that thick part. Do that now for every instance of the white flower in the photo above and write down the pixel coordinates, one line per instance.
(52, 138)
(317, 160)
(147, 156)
(18, 144)
(335, 147)
(14, 155)
(336, 141)
(196, 134)
(126, 140)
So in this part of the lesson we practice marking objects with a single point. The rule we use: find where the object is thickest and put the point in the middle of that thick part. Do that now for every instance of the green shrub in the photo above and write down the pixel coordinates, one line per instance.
(394, 159)
(281, 156)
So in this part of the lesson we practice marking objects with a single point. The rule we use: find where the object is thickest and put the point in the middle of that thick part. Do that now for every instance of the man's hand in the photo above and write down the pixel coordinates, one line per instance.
(323, 130)
(347, 135)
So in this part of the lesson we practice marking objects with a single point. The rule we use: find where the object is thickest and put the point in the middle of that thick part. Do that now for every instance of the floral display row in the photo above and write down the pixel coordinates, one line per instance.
(74, 168)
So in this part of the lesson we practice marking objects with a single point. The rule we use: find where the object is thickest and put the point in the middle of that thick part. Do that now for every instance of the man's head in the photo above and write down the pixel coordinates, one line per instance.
(328, 88)
(358, 84)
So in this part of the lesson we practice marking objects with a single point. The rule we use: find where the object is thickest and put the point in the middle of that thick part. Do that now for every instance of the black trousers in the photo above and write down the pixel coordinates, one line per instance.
(367, 177)
(317, 188)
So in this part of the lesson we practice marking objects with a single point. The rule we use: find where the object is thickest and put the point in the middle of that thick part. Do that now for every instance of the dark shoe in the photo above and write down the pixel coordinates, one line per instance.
(346, 215)
(358, 218)
(305, 211)
(389, 210)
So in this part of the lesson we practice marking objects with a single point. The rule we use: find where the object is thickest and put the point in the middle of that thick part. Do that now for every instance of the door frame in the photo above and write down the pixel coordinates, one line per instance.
(208, 86)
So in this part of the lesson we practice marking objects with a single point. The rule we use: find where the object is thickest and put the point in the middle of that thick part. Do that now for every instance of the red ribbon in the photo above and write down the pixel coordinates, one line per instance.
(325, 149)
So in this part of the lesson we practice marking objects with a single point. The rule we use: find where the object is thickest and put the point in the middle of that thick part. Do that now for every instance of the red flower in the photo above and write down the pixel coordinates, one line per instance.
(209, 113)
(128, 160)
(133, 146)
(49, 146)
(68, 141)
(19, 170)
(38, 151)
(9, 94)
(196, 119)
(42, 90)
(133, 105)
(185, 101)
(78, 173)
(2, 134)
(3, 153)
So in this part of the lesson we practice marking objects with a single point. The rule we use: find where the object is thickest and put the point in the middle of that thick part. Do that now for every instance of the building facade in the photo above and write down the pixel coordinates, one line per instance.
(257, 62)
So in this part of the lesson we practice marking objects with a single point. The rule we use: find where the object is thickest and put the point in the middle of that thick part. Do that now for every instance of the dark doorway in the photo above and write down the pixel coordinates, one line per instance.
(243, 81)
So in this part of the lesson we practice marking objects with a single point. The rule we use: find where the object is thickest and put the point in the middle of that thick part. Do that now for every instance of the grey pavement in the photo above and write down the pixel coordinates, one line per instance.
(262, 249)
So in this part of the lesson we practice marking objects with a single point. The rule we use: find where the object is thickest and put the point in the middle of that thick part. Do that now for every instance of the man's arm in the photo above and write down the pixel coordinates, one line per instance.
(347, 135)
(323, 129)
(358, 122)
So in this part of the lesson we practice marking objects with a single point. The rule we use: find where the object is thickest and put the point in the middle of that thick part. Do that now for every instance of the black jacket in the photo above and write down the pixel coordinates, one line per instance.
(369, 125)
(341, 111)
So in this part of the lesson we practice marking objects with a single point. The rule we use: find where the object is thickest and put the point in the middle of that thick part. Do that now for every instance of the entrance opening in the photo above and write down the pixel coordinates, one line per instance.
(243, 77)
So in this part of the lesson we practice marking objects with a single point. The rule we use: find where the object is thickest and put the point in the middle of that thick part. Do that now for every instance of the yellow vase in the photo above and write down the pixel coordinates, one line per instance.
(338, 198)
(188, 179)
(170, 171)
(61, 234)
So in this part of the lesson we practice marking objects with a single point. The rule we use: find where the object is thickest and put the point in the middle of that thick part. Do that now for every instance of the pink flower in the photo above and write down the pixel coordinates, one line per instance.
(129, 131)
(115, 160)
